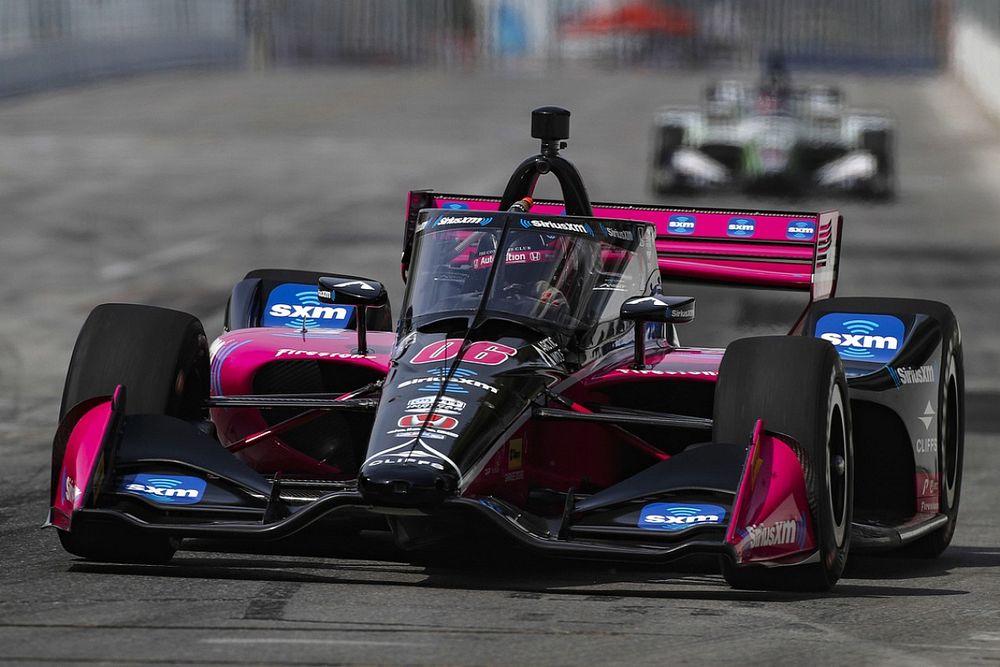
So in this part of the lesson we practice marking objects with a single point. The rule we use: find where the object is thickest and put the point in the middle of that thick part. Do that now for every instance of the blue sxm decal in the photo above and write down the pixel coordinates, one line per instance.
(673, 517)
(861, 336)
(165, 489)
(297, 306)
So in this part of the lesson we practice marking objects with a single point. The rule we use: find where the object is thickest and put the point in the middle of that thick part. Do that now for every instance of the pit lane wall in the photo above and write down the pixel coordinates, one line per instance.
(975, 49)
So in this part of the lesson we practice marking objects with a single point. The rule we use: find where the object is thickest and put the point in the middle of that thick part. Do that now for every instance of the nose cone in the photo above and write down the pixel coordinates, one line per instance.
(406, 480)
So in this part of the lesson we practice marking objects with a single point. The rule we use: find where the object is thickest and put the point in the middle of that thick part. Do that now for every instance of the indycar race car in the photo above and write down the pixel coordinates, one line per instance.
(534, 389)
(773, 137)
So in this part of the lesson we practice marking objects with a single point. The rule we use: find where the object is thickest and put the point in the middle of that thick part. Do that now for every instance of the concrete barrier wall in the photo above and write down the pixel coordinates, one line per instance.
(975, 57)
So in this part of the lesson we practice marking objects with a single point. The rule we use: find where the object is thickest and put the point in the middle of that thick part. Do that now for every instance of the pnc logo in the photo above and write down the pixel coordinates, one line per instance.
(861, 337)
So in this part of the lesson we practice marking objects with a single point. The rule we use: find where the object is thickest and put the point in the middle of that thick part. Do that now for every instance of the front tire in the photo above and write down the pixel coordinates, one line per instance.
(797, 387)
(161, 357)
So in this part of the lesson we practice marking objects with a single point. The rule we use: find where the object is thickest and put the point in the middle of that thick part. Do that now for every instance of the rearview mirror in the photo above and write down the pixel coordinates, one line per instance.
(350, 291)
(654, 308)
(358, 292)
(659, 308)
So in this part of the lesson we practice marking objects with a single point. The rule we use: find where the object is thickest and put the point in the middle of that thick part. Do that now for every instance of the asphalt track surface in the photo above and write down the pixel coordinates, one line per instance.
(167, 189)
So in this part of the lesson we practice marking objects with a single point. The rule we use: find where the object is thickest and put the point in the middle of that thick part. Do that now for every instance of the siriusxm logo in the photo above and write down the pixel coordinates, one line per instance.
(461, 220)
(557, 225)
(779, 533)
(675, 516)
(297, 306)
(681, 224)
(801, 230)
(165, 489)
(459, 383)
(860, 337)
(741, 227)
(620, 234)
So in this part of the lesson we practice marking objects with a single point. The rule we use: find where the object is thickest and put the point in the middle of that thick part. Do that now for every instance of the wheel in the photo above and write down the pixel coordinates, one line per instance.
(951, 442)
(880, 144)
(114, 544)
(161, 356)
(797, 387)
(664, 179)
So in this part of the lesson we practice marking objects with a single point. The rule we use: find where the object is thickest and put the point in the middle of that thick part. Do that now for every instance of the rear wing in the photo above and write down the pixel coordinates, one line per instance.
(771, 249)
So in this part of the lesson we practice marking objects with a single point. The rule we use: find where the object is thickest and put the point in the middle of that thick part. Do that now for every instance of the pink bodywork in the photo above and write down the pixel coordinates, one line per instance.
(83, 450)
(682, 363)
(239, 355)
(771, 518)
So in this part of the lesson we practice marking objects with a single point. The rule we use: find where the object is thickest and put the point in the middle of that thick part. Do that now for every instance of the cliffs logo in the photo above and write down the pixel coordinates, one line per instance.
(165, 489)
(862, 337)
(297, 306)
(681, 224)
(672, 517)
(741, 227)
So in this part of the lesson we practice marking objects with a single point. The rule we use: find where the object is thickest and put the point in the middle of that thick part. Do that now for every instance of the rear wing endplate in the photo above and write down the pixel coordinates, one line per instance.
(770, 249)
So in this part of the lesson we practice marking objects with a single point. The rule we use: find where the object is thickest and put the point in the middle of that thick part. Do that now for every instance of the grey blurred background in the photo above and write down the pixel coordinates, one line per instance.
(154, 151)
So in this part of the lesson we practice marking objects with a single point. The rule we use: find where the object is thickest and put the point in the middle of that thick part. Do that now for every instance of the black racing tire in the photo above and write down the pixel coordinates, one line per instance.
(115, 544)
(663, 178)
(161, 357)
(796, 385)
(951, 442)
(879, 143)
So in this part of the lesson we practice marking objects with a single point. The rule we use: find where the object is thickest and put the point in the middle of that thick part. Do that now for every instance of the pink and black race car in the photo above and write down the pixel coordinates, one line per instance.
(534, 388)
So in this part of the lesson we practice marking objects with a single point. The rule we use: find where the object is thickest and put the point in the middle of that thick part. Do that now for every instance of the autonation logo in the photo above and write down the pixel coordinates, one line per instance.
(675, 516)
(861, 337)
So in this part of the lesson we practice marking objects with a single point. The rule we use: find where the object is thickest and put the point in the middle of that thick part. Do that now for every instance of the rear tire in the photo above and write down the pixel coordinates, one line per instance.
(663, 177)
(797, 387)
(161, 357)
(879, 143)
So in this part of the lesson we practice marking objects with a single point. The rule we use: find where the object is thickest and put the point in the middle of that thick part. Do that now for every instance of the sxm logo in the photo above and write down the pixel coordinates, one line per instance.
(862, 337)
(741, 227)
(297, 306)
(801, 230)
(165, 489)
(681, 224)
(676, 516)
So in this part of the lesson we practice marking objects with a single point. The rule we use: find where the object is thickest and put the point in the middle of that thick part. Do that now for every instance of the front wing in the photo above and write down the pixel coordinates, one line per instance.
(157, 474)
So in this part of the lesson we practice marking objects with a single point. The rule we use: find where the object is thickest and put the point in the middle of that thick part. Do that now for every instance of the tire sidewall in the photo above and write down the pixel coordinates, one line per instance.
(833, 537)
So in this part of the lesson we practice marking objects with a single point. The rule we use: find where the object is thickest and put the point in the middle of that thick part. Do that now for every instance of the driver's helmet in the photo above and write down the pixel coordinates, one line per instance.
(775, 89)
(527, 266)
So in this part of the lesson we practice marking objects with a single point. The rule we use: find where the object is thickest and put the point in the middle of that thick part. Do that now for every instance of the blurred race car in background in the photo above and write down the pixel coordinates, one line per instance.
(773, 136)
